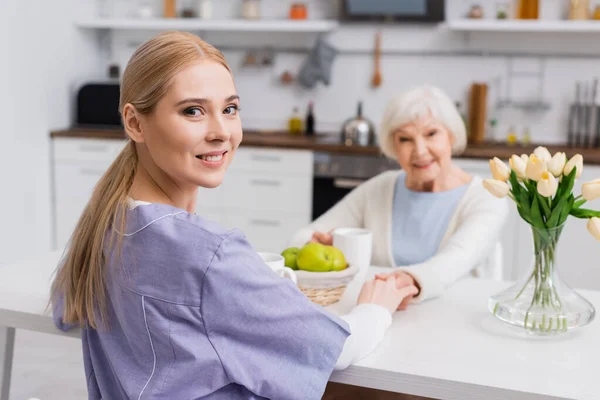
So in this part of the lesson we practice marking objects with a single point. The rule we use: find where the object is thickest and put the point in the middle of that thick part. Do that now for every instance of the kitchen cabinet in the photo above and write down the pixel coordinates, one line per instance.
(267, 193)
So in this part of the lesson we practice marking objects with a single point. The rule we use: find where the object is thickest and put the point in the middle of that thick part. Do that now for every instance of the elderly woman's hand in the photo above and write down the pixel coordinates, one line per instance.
(403, 279)
(386, 293)
(323, 238)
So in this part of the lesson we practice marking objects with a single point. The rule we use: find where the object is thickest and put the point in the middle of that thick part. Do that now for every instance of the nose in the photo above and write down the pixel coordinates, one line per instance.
(217, 130)
(420, 148)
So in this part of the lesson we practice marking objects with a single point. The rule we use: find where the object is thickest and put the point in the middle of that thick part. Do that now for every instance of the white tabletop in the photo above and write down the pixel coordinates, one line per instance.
(453, 348)
(446, 348)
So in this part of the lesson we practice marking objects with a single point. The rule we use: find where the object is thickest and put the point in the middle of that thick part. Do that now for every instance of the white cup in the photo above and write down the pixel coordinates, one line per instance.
(277, 263)
(356, 244)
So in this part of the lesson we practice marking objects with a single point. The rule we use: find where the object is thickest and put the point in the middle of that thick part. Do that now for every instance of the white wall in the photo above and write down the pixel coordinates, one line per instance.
(267, 103)
(42, 54)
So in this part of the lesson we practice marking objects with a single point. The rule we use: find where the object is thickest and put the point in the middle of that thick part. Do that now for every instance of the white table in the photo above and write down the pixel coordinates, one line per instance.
(447, 348)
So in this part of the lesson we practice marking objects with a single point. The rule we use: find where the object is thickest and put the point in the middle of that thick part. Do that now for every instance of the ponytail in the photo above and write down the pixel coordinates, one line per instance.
(81, 276)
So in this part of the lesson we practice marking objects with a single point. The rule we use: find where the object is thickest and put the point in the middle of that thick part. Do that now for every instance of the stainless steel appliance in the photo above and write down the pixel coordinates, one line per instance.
(335, 175)
(358, 130)
(394, 10)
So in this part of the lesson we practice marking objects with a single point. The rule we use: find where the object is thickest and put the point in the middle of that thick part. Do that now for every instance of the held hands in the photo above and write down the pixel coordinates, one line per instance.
(402, 280)
(386, 293)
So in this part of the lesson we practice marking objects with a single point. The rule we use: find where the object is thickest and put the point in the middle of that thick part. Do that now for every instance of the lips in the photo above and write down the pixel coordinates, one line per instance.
(422, 165)
(213, 156)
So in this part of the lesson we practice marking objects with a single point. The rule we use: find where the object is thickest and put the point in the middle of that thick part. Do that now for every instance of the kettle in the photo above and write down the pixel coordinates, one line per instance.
(358, 130)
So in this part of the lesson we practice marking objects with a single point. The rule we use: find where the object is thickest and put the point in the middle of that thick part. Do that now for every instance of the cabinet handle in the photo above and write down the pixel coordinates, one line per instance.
(265, 222)
(265, 182)
(98, 148)
(265, 157)
(89, 171)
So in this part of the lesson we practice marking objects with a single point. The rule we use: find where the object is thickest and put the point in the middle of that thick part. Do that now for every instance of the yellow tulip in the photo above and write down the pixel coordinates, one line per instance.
(547, 184)
(542, 153)
(593, 226)
(518, 165)
(535, 167)
(496, 187)
(500, 171)
(575, 161)
(557, 164)
(591, 190)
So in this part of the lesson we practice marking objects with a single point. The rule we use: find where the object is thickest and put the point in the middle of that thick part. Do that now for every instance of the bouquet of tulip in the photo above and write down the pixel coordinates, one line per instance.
(541, 186)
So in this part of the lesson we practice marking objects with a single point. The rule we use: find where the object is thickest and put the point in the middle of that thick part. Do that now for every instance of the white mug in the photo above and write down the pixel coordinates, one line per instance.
(356, 244)
(277, 263)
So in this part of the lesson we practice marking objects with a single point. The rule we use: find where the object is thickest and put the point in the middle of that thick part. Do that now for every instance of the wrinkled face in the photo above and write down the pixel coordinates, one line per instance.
(423, 149)
(195, 128)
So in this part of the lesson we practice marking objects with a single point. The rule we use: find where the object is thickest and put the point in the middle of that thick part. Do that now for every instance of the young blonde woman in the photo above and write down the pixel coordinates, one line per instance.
(172, 306)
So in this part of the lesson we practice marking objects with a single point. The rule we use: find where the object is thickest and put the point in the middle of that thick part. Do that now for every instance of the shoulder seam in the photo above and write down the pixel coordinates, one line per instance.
(148, 224)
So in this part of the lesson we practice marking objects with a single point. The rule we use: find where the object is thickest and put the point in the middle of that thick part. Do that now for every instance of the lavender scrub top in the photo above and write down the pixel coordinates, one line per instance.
(194, 313)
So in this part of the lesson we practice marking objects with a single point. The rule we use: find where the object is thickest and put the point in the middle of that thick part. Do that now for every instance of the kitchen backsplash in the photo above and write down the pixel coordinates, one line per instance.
(413, 54)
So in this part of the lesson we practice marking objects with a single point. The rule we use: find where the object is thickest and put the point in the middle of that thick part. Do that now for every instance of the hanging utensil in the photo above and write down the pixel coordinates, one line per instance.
(377, 78)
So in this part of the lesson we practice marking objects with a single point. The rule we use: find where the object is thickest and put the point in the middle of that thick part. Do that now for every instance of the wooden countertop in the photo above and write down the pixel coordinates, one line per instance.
(329, 143)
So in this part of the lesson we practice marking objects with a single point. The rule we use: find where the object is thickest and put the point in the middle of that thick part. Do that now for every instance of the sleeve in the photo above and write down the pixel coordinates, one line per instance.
(347, 213)
(269, 336)
(368, 324)
(468, 246)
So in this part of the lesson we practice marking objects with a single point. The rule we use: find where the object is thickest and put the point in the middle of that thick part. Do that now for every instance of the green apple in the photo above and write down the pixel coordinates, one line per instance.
(290, 255)
(314, 257)
(339, 261)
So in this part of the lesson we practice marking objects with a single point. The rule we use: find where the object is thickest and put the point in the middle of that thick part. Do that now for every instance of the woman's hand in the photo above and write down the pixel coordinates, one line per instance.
(403, 279)
(386, 293)
(323, 238)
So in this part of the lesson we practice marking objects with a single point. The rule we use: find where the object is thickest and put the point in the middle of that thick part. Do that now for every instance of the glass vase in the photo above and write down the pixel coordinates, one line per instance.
(540, 302)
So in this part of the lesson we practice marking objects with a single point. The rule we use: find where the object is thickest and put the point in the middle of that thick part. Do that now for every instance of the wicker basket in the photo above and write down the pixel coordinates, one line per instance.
(325, 288)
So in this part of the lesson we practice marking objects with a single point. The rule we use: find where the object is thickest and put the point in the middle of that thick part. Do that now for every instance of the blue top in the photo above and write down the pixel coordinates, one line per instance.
(194, 313)
(420, 220)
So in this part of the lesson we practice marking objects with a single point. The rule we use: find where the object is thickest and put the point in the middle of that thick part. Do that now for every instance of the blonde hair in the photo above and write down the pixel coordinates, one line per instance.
(146, 80)
(416, 103)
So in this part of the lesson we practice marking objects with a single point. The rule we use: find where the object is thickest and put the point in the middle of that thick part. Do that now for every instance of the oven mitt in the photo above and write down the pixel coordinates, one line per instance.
(317, 66)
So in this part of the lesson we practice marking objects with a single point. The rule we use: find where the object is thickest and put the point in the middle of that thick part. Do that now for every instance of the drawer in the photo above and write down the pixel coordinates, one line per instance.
(104, 151)
(268, 192)
(287, 161)
(267, 231)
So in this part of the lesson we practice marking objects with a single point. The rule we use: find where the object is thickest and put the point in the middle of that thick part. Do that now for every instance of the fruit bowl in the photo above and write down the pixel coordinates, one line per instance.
(322, 271)
(325, 288)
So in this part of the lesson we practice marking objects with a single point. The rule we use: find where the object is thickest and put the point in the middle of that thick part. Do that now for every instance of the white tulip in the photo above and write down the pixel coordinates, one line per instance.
(575, 161)
(500, 171)
(557, 164)
(591, 190)
(496, 187)
(535, 167)
(593, 226)
(542, 153)
(525, 158)
(547, 184)
(518, 165)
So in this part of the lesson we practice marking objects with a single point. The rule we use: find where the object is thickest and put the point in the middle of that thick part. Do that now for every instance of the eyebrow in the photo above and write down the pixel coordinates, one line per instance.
(202, 100)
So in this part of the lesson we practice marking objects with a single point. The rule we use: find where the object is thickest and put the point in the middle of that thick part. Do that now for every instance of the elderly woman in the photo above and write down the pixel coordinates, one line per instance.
(431, 221)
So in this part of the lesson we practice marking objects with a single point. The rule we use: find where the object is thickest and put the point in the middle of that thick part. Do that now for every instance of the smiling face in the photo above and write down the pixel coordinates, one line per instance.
(194, 131)
(423, 150)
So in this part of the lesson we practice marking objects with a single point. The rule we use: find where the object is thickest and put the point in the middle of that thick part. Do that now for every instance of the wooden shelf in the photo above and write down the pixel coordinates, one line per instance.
(196, 24)
(493, 25)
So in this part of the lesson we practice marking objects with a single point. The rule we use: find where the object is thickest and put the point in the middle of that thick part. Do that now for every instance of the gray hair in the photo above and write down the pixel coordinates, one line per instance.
(416, 103)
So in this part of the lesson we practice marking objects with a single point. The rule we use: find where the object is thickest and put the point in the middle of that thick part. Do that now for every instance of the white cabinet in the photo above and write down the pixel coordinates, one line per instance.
(78, 165)
(266, 193)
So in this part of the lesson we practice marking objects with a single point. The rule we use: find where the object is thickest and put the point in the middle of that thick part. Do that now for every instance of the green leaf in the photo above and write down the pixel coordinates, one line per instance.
(564, 214)
(524, 203)
(556, 212)
(514, 183)
(543, 201)
(584, 213)
(579, 203)
(536, 215)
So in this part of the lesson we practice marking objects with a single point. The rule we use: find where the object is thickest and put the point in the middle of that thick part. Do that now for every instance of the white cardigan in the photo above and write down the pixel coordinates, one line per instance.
(467, 245)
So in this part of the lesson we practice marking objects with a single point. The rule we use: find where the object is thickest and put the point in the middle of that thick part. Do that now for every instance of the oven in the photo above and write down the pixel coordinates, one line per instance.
(336, 175)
